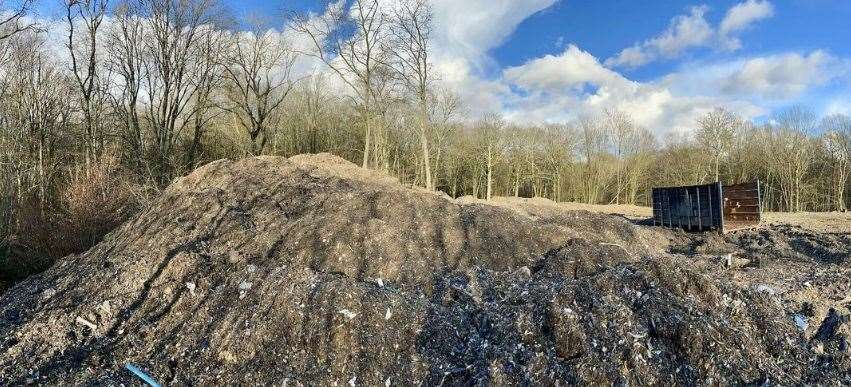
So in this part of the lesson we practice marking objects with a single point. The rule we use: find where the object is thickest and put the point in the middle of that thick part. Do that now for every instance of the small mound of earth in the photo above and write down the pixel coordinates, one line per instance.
(310, 270)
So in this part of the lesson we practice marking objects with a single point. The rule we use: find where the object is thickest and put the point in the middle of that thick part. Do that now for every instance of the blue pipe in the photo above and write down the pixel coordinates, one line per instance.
(142, 375)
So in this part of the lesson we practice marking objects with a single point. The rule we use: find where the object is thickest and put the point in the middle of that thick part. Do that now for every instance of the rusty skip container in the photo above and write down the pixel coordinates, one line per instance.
(708, 207)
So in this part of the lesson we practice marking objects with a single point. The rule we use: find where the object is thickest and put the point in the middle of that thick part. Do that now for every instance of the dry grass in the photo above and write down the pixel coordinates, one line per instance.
(96, 199)
(829, 222)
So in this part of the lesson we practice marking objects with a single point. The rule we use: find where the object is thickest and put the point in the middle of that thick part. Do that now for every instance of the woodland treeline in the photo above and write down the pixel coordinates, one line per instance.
(147, 90)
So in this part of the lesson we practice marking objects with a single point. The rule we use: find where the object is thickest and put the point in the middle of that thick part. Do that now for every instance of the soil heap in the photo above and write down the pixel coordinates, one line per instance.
(310, 270)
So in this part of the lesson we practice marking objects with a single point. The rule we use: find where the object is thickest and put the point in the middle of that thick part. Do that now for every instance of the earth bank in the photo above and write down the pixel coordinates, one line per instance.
(310, 270)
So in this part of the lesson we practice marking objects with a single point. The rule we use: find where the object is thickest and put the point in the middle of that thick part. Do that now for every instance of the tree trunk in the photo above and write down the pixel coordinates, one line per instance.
(717, 167)
(426, 161)
(367, 137)
(490, 173)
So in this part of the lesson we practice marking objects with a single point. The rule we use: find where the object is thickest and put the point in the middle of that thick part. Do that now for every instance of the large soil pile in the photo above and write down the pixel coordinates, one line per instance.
(311, 270)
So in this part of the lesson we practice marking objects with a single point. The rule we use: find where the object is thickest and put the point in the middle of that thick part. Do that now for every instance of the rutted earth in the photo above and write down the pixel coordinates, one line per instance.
(310, 270)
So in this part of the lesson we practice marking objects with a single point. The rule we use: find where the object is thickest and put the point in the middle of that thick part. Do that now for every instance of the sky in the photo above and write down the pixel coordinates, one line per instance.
(664, 62)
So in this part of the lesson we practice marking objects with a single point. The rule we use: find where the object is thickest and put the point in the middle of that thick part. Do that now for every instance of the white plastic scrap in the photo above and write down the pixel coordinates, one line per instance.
(105, 307)
(243, 288)
(252, 268)
(387, 382)
(388, 314)
(191, 287)
(49, 292)
(380, 282)
(353, 380)
(802, 322)
(348, 313)
(638, 335)
(765, 289)
(85, 322)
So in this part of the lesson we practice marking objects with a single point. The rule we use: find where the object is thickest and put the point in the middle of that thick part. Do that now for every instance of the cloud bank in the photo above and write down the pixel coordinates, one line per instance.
(573, 83)
(692, 30)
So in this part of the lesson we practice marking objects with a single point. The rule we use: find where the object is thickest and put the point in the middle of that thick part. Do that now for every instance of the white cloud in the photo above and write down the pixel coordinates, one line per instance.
(838, 106)
(464, 32)
(572, 69)
(740, 17)
(557, 88)
(769, 79)
(469, 29)
(781, 76)
(479, 95)
(574, 84)
(631, 57)
(693, 30)
(684, 31)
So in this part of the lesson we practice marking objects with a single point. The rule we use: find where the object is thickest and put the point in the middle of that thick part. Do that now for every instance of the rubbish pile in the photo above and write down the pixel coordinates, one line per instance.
(311, 270)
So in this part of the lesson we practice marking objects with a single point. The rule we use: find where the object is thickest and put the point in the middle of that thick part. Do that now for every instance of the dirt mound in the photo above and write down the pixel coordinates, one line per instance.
(311, 270)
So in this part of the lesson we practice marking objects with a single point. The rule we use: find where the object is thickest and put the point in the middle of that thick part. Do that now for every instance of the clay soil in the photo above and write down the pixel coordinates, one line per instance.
(312, 271)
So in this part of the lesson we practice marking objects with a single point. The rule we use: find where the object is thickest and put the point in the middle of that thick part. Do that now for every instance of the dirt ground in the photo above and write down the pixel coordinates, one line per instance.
(312, 271)
(825, 222)
(828, 222)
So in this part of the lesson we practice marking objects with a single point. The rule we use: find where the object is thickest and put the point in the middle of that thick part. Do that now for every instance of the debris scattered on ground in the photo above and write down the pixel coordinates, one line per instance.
(86, 323)
(191, 287)
(765, 289)
(142, 375)
(313, 271)
(802, 322)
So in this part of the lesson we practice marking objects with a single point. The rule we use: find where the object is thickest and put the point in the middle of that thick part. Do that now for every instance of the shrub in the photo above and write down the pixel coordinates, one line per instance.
(32, 238)
(96, 200)
(93, 200)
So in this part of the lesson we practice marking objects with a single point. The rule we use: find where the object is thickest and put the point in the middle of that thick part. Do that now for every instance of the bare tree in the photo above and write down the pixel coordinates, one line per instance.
(85, 66)
(126, 59)
(258, 80)
(172, 29)
(315, 101)
(621, 133)
(37, 106)
(208, 67)
(592, 148)
(837, 141)
(445, 108)
(411, 30)
(560, 144)
(792, 154)
(640, 160)
(348, 39)
(489, 132)
(716, 133)
(14, 21)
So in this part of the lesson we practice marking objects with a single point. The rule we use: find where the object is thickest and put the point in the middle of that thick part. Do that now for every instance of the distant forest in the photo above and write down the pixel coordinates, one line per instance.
(148, 90)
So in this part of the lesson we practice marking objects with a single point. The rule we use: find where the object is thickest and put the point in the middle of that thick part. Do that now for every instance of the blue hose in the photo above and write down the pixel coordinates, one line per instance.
(142, 375)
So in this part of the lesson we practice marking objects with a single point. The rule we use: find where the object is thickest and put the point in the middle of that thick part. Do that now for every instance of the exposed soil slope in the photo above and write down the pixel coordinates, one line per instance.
(311, 270)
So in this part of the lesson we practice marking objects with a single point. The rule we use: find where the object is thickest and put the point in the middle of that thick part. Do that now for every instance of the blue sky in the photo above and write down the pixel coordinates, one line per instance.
(665, 62)
(605, 27)
(557, 60)
(598, 28)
